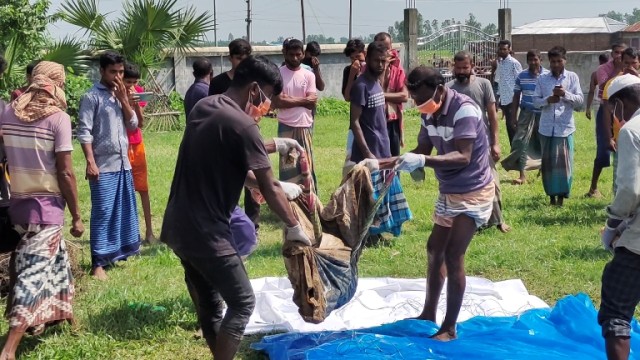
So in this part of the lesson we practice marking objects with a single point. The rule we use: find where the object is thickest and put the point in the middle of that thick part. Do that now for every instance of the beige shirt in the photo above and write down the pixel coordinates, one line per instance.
(626, 203)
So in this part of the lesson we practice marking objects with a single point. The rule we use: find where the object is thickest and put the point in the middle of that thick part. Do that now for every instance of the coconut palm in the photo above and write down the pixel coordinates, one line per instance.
(145, 32)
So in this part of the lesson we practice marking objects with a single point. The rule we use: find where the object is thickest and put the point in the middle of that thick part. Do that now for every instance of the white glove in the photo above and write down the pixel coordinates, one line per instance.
(607, 237)
(410, 162)
(291, 190)
(284, 145)
(371, 164)
(295, 233)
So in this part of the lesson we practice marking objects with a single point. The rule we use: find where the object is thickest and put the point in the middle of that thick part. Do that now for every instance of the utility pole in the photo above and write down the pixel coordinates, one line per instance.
(304, 30)
(248, 20)
(350, 18)
(215, 26)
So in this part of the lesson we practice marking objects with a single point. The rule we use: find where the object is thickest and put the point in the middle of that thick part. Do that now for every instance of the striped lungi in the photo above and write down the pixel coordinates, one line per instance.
(41, 282)
(291, 172)
(557, 165)
(114, 218)
(477, 205)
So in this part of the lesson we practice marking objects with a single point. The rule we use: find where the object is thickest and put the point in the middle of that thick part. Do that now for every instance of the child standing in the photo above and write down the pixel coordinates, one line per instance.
(137, 156)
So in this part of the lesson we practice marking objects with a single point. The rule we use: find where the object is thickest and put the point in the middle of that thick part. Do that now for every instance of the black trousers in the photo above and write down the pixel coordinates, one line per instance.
(510, 121)
(393, 128)
(251, 208)
(213, 281)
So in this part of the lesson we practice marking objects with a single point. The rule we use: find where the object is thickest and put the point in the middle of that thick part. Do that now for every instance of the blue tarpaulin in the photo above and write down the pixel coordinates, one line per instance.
(568, 331)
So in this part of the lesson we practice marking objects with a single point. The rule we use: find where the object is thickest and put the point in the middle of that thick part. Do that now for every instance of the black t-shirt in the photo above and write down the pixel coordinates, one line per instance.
(219, 84)
(220, 145)
(345, 77)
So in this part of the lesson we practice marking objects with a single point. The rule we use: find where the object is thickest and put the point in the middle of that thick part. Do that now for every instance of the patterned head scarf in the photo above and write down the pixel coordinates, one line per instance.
(44, 96)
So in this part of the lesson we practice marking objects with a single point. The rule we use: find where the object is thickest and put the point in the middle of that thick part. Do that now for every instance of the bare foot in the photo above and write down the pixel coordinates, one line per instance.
(519, 181)
(99, 274)
(504, 228)
(6, 356)
(150, 239)
(443, 335)
(594, 193)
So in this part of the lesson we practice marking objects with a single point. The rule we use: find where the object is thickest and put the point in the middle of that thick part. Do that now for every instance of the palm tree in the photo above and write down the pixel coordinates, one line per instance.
(24, 38)
(145, 32)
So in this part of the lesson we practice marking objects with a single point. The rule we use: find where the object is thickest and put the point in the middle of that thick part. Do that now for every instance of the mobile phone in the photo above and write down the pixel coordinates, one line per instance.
(144, 96)
(558, 86)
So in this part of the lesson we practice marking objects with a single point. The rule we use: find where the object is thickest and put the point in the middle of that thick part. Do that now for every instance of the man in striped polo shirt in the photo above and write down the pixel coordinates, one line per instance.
(452, 124)
(525, 149)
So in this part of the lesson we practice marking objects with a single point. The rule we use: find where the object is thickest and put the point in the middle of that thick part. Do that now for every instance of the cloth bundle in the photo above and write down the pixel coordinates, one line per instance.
(324, 276)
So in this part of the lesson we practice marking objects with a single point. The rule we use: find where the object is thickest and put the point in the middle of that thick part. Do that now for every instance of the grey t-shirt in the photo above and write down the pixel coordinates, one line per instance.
(480, 90)
(368, 94)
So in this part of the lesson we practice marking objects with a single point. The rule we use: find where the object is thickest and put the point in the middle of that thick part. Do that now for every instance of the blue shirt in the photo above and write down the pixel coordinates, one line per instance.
(526, 84)
(557, 119)
(198, 90)
(101, 123)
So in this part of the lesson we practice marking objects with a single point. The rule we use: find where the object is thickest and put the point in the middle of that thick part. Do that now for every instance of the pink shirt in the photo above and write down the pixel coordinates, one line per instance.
(605, 72)
(31, 150)
(135, 136)
(299, 83)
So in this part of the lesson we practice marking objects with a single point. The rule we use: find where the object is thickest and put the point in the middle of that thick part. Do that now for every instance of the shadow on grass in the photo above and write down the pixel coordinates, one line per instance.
(247, 353)
(584, 253)
(29, 343)
(576, 210)
(136, 321)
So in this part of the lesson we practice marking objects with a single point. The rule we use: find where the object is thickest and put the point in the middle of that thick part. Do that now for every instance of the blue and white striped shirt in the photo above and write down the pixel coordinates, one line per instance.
(557, 119)
(526, 84)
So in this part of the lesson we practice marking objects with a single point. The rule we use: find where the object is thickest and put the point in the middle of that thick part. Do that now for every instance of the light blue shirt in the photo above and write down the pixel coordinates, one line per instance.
(507, 71)
(101, 123)
(557, 119)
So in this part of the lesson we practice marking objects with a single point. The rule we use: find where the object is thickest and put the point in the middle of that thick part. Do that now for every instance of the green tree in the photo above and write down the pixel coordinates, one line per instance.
(24, 38)
(614, 15)
(473, 22)
(344, 40)
(145, 32)
(490, 29)
(629, 18)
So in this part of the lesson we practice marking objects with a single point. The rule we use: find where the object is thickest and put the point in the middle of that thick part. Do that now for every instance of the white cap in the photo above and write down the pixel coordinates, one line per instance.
(618, 83)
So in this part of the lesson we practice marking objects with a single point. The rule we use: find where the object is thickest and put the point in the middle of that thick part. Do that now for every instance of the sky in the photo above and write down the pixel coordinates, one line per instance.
(274, 18)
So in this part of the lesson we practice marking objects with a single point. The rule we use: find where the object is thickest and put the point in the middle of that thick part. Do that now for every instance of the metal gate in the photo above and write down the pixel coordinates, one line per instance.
(437, 50)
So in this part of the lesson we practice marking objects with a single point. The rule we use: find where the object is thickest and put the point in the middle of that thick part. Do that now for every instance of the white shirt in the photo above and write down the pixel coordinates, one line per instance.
(626, 203)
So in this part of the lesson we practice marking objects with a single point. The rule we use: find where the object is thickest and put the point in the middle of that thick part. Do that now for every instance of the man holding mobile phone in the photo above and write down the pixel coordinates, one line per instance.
(558, 94)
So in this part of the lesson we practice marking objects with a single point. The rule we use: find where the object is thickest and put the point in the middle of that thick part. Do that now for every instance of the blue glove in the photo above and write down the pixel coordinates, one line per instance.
(410, 162)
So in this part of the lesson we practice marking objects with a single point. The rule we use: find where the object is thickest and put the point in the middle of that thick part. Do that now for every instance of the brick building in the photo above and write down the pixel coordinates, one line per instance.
(631, 35)
(576, 34)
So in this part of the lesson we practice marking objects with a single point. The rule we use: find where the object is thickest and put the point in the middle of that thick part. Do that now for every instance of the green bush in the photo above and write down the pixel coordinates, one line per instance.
(176, 102)
(331, 106)
(75, 87)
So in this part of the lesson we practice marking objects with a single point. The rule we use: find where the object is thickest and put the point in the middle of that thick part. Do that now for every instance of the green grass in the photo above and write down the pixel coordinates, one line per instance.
(555, 251)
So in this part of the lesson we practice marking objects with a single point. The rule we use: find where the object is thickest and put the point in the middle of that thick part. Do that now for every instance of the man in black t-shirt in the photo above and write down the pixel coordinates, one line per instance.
(221, 151)
(356, 54)
(239, 49)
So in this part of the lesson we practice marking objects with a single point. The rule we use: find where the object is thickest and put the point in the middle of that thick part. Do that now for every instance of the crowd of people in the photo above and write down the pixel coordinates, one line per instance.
(223, 154)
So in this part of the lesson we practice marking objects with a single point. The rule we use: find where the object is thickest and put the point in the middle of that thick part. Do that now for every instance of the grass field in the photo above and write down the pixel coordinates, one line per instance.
(555, 251)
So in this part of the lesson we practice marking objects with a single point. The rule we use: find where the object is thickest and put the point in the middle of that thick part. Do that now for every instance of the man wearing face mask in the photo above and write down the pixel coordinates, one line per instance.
(620, 279)
(452, 124)
(221, 151)
(480, 90)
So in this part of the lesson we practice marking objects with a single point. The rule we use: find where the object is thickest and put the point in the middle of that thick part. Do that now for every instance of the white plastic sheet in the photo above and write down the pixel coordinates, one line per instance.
(384, 300)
